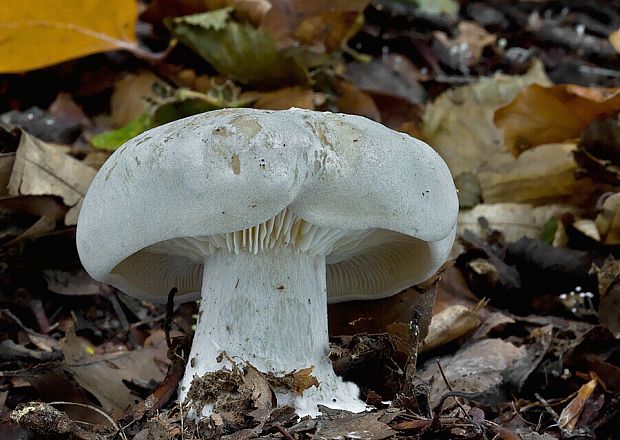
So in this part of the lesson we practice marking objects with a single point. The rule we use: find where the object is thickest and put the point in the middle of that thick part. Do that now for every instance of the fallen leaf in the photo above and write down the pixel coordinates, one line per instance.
(393, 75)
(131, 92)
(571, 412)
(449, 325)
(514, 220)
(608, 277)
(354, 101)
(112, 140)
(459, 123)
(614, 39)
(43, 125)
(283, 99)
(465, 49)
(59, 30)
(542, 115)
(71, 283)
(356, 426)
(598, 151)
(324, 24)
(41, 169)
(238, 51)
(545, 174)
(103, 375)
(476, 368)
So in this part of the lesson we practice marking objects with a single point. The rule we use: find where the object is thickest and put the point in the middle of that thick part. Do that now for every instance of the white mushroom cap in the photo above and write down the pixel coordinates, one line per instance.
(380, 204)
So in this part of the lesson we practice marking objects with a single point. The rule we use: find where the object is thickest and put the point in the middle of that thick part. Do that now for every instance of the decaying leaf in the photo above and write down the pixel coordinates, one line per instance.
(282, 99)
(608, 277)
(545, 174)
(449, 325)
(476, 368)
(571, 412)
(514, 220)
(354, 101)
(131, 92)
(43, 169)
(323, 24)
(459, 123)
(466, 48)
(71, 283)
(543, 115)
(598, 152)
(237, 50)
(103, 375)
(49, 32)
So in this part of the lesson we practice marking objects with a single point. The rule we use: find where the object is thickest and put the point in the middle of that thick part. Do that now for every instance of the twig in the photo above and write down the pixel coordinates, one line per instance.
(116, 426)
(287, 435)
(169, 312)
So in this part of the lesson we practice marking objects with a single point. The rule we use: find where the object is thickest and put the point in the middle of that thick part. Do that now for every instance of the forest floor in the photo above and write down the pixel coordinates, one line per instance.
(520, 98)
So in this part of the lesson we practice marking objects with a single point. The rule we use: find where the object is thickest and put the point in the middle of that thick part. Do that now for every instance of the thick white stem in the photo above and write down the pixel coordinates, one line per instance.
(270, 310)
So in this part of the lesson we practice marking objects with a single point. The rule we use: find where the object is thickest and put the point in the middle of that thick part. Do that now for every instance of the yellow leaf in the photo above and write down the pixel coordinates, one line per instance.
(45, 32)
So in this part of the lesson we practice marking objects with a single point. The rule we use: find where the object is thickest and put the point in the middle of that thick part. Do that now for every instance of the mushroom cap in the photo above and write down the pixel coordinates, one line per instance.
(228, 170)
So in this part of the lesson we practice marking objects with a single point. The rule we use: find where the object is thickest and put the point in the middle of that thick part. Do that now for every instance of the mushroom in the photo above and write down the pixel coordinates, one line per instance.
(266, 216)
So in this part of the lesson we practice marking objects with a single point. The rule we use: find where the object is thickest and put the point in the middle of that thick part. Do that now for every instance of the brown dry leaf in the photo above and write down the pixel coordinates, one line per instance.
(459, 123)
(303, 379)
(608, 277)
(320, 23)
(470, 36)
(571, 412)
(285, 98)
(514, 220)
(44, 169)
(52, 31)
(103, 375)
(128, 100)
(476, 368)
(542, 115)
(608, 220)
(76, 283)
(449, 325)
(614, 39)
(545, 174)
(356, 102)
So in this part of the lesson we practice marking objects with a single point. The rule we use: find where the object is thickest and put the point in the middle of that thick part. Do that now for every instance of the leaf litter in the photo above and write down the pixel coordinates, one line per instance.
(521, 102)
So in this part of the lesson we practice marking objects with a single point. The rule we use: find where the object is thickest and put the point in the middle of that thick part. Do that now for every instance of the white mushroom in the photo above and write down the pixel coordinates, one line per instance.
(266, 216)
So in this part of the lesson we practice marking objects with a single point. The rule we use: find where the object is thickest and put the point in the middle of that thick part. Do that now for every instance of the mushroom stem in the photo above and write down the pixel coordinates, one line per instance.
(270, 310)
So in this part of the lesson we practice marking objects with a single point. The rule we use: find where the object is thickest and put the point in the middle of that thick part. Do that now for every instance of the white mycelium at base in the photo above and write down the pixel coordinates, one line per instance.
(269, 309)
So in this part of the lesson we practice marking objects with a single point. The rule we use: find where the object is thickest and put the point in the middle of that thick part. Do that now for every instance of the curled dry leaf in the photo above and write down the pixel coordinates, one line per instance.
(514, 220)
(449, 325)
(459, 123)
(59, 30)
(571, 412)
(104, 375)
(44, 169)
(545, 174)
(542, 115)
